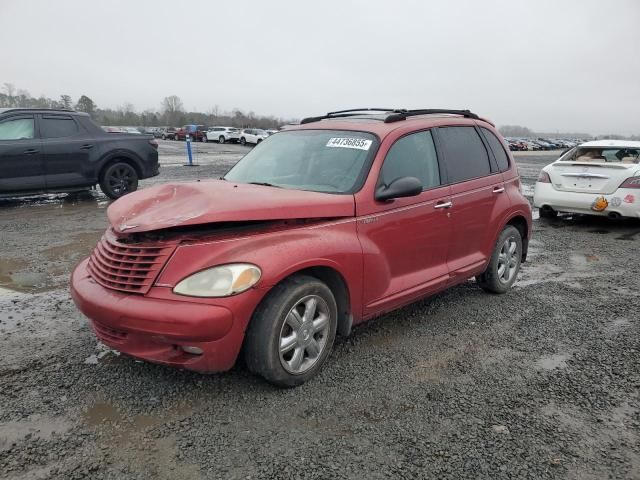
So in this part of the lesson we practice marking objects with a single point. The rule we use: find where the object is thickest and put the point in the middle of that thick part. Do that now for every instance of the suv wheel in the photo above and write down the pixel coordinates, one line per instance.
(164, 137)
(292, 332)
(243, 141)
(205, 139)
(221, 139)
(504, 265)
(118, 180)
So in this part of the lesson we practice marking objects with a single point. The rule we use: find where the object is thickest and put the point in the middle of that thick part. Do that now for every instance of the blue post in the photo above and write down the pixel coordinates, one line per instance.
(189, 153)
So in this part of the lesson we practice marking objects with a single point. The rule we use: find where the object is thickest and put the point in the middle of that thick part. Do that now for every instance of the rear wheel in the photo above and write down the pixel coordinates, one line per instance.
(504, 265)
(118, 180)
(221, 139)
(292, 332)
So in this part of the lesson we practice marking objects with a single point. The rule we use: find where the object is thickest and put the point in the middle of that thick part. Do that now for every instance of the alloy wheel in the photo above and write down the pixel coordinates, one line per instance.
(508, 260)
(121, 179)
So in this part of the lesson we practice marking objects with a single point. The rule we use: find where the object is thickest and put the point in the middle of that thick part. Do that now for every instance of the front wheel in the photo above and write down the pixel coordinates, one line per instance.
(205, 139)
(291, 333)
(118, 180)
(221, 139)
(164, 137)
(243, 141)
(504, 265)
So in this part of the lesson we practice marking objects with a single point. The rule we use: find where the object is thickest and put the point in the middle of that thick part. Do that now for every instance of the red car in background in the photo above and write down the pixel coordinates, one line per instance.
(322, 226)
(197, 133)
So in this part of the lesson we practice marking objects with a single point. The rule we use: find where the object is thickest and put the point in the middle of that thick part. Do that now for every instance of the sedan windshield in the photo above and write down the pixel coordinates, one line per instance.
(330, 161)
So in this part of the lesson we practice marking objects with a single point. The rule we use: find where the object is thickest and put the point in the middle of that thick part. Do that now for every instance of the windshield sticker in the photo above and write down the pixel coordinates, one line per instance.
(359, 143)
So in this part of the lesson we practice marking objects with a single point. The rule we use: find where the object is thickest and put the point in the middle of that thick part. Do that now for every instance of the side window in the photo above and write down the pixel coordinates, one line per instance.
(17, 129)
(497, 149)
(412, 156)
(464, 153)
(57, 127)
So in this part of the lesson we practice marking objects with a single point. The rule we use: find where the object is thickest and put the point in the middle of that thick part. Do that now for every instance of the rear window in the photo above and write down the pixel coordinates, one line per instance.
(464, 153)
(498, 150)
(57, 127)
(603, 155)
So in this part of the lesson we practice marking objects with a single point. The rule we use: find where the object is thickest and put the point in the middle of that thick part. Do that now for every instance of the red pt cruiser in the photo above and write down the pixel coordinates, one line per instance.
(322, 226)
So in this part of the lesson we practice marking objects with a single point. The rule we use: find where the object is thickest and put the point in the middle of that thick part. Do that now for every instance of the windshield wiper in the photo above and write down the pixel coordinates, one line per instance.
(264, 184)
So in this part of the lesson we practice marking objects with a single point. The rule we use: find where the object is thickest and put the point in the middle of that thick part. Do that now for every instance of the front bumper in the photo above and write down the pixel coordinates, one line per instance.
(155, 328)
(624, 201)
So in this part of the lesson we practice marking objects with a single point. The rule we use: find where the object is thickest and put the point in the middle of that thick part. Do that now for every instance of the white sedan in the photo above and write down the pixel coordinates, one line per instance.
(594, 178)
(252, 135)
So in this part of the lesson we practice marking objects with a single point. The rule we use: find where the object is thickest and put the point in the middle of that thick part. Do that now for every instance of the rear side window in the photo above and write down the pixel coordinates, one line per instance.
(464, 153)
(497, 149)
(412, 156)
(58, 127)
(17, 129)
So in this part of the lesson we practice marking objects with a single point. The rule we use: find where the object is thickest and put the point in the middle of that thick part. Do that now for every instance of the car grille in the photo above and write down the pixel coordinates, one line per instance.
(109, 335)
(128, 267)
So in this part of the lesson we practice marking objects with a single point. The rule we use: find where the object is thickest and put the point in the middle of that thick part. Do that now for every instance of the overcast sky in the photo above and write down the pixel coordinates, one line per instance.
(549, 65)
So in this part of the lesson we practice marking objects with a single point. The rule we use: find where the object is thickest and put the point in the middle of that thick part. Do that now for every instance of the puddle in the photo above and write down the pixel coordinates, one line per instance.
(36, 426)
(552, 362)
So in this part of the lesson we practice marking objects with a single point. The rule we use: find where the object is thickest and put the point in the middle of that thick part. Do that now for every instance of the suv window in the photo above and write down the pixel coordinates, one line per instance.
(464, 153)
(57, 127)
(498, 150)
(17, 129)
(412, 156)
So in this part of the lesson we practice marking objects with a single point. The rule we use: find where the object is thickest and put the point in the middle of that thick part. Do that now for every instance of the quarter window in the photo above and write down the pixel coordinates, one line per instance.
(464, 153)
(58, 127)
(412, 156)
(17, 129)
(497, 149)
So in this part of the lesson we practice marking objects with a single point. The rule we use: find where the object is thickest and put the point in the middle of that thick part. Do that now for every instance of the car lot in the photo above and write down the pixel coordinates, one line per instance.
(540, 383)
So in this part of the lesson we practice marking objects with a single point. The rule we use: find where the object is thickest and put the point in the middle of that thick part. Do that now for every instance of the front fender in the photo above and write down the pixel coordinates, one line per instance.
(279, 254)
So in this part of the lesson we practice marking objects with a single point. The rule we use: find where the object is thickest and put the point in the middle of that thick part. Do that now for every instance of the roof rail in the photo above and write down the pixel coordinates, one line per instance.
(395, 114)
(349, 113)
(403, 114)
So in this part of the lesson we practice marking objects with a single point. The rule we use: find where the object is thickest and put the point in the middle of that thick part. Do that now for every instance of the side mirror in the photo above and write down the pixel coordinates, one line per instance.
(400, 187)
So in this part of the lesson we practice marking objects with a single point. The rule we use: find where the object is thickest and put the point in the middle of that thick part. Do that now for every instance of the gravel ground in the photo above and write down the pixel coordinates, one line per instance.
(542, 382)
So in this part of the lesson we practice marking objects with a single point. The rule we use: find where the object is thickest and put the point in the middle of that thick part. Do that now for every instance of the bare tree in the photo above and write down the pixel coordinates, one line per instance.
(172, 104)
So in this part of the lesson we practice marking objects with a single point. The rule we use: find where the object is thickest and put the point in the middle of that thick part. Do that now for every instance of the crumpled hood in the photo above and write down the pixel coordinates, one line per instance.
(195, 203)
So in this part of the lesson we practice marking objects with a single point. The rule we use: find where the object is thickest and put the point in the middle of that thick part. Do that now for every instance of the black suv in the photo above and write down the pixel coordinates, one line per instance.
(44, 150)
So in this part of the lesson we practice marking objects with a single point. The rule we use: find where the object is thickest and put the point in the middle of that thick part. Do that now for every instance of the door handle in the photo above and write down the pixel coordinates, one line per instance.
(443, 205)
(30, 151)
(86, 146)
(498, 190)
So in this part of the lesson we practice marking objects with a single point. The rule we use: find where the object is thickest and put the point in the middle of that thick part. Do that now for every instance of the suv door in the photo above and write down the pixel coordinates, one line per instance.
(67, 151)
(477, 195)
(21, 167)
(406, 240)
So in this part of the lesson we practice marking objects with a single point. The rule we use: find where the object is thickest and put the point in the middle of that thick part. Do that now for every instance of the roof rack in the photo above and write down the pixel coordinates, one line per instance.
(348, 113)
(395, 114)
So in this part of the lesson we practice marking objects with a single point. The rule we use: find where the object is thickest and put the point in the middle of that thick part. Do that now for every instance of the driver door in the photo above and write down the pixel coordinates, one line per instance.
(406, 240)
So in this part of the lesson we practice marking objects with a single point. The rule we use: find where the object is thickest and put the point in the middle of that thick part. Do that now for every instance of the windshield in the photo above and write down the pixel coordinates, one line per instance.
(602, 154)
(330, 161)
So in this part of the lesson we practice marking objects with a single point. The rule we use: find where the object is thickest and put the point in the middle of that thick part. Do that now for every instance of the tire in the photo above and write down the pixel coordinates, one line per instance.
(243, 141)
(118, 179)
(310, 337)
(504, 265)
(258, 142)
(221, 139)
(164, 137)
(547, 212)
(205, 139)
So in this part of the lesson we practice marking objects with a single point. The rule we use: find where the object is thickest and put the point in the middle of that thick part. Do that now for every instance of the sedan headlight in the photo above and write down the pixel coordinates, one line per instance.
(221, 281)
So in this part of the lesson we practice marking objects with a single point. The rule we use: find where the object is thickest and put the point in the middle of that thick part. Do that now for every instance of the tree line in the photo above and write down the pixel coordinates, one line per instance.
(171, 112)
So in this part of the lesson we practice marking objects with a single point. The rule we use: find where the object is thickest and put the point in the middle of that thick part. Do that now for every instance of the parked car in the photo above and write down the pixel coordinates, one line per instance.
(44, 150)
(594, 178)
(195, 132)
(252, 135)
(168, 133)
(222, 134)
(328, 224)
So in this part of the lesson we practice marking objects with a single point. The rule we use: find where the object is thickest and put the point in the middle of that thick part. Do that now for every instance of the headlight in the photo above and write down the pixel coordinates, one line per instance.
(221, 281)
